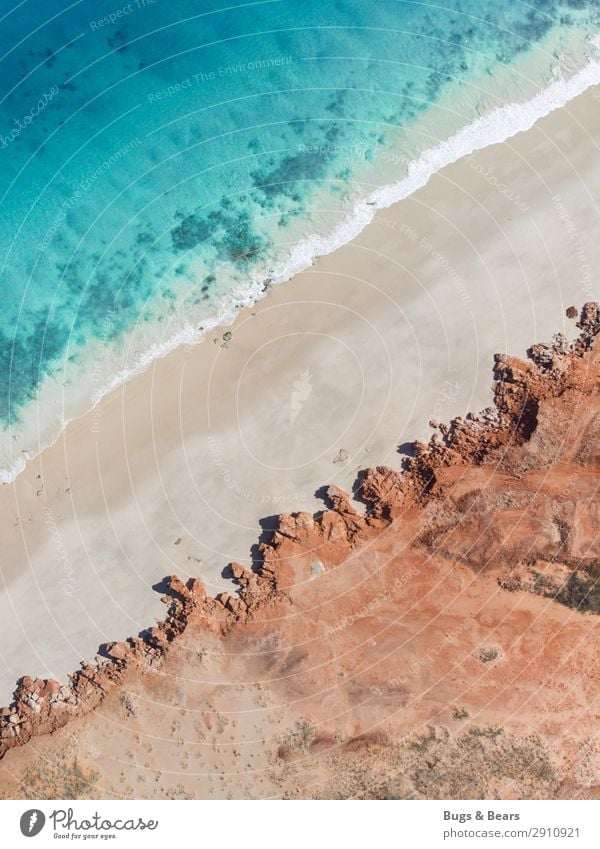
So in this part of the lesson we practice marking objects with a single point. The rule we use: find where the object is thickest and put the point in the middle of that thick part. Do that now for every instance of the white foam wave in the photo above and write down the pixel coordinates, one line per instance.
(496, 126)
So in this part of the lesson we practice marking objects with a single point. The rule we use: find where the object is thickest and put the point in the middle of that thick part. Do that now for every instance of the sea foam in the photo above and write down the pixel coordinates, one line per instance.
(496, 126)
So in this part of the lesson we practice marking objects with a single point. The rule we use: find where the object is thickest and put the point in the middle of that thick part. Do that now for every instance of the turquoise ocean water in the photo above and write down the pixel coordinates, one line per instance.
(164, 162)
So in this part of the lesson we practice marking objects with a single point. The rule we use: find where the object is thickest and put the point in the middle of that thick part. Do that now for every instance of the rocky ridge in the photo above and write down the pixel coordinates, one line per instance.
(528, 396)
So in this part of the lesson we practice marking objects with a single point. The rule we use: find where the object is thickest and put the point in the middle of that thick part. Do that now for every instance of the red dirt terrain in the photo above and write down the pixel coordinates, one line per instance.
(435, 637)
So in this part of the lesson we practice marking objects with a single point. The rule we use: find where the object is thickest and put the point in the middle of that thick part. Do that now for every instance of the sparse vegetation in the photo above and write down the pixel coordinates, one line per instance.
(487, 654)
(481, 763)
(460, 713)
(63, 777)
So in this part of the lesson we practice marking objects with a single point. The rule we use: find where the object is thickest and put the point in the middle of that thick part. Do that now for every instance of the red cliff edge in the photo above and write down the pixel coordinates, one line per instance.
(542, 395)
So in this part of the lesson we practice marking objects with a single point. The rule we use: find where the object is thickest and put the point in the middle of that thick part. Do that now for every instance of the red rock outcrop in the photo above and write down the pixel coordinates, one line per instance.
(503, 504)
(42, 706)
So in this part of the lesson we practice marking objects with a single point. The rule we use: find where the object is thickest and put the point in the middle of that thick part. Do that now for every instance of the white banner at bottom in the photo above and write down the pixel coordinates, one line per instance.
(267, 824)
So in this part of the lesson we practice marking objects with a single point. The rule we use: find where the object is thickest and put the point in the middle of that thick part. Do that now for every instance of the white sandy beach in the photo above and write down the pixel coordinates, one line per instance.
(173, 471)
